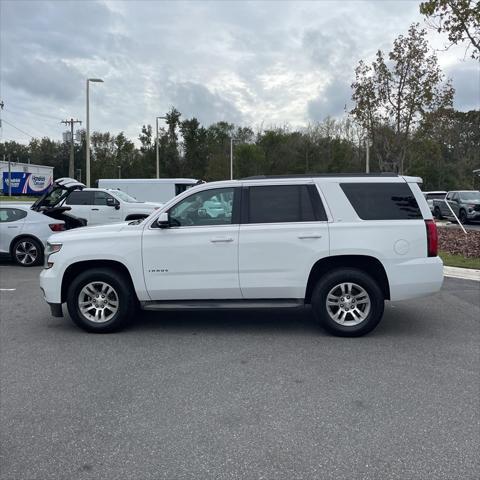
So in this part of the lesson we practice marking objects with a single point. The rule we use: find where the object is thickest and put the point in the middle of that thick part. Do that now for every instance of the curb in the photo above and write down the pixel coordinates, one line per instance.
(464, 273)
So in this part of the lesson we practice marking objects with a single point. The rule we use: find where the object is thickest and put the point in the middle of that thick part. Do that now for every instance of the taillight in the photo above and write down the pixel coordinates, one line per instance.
(57, 227)
(432, 238)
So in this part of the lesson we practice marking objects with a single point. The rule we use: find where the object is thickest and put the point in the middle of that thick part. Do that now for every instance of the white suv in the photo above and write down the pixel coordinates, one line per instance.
(343, 244)
(99, 206)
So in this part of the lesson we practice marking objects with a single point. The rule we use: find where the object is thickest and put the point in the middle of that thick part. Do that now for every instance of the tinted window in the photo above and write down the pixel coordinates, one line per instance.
(181, 187)
(100, 198)
(382, 201)
(280, 203)
(11, 214)
(210, 207)
(436, 196)
(79, 198)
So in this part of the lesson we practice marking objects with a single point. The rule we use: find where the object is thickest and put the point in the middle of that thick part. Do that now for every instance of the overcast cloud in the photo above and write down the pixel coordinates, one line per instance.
(253, 63)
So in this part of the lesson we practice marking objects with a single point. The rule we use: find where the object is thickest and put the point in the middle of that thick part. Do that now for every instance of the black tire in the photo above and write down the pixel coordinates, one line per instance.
(437, 213)
(462, 216)
(360, 279)
(27, 252)
(123, 290)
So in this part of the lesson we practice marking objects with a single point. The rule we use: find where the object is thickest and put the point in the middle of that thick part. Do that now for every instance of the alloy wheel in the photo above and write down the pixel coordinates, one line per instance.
(348, 304)
(26, 252)
(98, 302)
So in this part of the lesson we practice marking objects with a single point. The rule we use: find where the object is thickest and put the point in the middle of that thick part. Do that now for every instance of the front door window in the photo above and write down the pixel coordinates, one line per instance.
(210, 207)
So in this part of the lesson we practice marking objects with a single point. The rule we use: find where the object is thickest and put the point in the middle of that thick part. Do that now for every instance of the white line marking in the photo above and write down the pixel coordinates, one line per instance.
(465, 273)
(7, 289)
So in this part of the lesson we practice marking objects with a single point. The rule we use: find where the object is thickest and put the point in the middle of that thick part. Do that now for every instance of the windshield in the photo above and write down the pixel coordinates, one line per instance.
(125, 197)
(438, 196)
(465, 196)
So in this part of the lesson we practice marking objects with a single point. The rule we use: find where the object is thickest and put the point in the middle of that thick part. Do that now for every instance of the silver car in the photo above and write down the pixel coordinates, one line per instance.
(24, 233)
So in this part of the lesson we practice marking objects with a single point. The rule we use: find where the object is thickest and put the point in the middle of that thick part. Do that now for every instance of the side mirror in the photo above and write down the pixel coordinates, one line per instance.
(112, 202)
(163, 220)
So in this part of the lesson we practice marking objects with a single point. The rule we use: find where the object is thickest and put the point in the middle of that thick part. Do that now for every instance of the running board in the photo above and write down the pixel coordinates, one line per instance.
(221, 304)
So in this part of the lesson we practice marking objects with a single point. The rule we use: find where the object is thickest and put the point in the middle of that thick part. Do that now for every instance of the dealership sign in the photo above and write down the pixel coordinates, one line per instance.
(27, 183)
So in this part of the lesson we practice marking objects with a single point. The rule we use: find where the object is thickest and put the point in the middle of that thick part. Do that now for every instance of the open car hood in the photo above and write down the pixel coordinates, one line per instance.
(57, 192)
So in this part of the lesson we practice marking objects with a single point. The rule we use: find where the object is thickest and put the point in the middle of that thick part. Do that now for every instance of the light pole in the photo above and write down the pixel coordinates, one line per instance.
(156, 144)
(98, 80)
(231, 158)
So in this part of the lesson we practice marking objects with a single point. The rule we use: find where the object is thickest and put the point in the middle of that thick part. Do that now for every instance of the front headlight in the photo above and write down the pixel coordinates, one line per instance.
(50, 250)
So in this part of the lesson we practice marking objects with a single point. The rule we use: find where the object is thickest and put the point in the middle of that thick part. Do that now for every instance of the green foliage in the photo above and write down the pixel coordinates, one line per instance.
(459, 19)
(443, 149)
(392, 96)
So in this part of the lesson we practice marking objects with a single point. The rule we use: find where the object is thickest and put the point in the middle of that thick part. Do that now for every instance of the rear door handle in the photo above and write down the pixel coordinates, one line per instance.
(303, 237)
(12, 226)
(95, 209)
(221, 239)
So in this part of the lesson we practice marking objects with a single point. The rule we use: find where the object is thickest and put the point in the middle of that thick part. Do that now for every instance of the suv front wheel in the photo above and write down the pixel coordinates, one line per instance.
(348, 302)
(100, 300)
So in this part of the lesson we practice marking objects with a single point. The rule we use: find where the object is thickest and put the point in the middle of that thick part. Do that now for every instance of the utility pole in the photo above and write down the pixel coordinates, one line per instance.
(231, 158)
(157, 144)
(71, 165)
(367, 147)
(79, 174)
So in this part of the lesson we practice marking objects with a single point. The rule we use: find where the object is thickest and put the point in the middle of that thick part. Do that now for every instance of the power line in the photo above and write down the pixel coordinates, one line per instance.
(19, 129)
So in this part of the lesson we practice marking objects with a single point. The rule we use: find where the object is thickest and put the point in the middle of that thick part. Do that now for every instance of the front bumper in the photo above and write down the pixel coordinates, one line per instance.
(475, 215)
(51, 285)
(56, 309)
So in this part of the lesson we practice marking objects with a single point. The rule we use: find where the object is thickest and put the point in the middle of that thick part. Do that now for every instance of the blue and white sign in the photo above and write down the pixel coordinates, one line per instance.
(27, 183)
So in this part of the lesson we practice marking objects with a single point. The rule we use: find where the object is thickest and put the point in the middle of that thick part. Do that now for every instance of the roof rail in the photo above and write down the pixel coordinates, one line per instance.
(311, 175)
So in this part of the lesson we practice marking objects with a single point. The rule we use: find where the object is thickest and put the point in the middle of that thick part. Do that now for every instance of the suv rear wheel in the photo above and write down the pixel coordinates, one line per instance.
(100, 300)
(348, 302)
(437, 213)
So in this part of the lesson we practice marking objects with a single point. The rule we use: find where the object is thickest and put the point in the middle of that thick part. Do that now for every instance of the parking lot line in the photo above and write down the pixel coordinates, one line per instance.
(7, 289)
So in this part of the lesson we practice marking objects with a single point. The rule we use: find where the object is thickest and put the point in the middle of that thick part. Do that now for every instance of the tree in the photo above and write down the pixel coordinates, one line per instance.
(391, 96)
(459, 19)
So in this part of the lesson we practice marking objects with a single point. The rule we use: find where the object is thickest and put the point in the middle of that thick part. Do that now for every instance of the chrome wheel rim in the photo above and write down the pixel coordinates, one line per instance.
(98, 302)
(26, 253)
(348, 304)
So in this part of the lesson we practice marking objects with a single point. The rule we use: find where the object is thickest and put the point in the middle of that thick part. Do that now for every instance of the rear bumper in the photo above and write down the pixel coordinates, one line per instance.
(415, 278)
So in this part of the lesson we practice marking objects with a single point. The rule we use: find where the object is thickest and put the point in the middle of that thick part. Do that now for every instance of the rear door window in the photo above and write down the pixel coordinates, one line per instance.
(382, 201)
(79, 197)
(284, 203)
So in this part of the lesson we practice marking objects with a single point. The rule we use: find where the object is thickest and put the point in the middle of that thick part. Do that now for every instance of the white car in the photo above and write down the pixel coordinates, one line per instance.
(100, 206)
(343, 244)
(24, 233)
(435, 195)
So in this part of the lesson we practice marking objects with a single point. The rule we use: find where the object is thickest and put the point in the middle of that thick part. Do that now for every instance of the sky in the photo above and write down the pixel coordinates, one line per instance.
(259, 63)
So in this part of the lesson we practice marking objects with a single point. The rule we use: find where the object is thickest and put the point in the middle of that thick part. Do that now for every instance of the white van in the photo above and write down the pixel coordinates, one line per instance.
(149, 189)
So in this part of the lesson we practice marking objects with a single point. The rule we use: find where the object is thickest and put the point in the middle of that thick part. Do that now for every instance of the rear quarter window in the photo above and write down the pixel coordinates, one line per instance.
(382, 201)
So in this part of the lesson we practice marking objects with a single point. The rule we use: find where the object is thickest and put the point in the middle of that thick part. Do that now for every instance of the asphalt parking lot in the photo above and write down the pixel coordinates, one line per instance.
(230, 395)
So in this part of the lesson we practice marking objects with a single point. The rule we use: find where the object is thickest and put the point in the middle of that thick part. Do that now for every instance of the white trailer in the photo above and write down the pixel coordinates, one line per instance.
(158, 190)
(26, 178)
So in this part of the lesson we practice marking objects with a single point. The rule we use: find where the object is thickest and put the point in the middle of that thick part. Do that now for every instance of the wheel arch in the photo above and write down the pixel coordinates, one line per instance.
(76, 268)
(25, 235)
(368, 264)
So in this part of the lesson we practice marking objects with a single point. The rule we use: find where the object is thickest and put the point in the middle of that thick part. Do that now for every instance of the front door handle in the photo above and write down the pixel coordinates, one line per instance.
(221, 239)
(306, 235)
(96, 209)
(12, 226)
